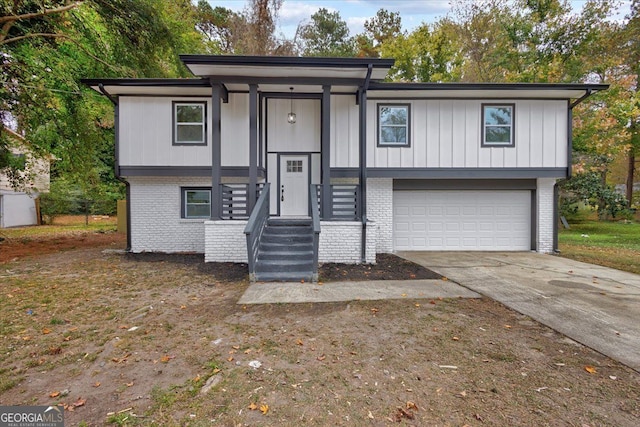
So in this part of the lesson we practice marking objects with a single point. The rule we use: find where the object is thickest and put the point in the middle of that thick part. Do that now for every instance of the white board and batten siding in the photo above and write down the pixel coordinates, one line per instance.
(146, 133)
(447, 134)
(462, 220)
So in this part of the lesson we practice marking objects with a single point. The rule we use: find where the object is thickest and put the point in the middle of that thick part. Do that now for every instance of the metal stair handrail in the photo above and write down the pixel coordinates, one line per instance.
(315, 224)
(255, 226)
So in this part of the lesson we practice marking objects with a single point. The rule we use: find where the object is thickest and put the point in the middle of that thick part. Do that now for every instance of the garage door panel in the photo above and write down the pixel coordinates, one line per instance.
(462, 220)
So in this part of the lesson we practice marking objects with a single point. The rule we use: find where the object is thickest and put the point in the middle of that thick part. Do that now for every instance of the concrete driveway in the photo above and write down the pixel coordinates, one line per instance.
(596, 306)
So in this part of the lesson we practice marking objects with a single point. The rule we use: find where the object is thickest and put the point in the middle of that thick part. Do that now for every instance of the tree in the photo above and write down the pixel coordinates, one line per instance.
(632, 51)
(326, 35)
(47, 47)
(379, 30)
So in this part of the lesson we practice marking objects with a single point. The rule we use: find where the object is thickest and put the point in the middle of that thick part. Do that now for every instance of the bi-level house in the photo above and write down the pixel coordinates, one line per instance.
(285, 162)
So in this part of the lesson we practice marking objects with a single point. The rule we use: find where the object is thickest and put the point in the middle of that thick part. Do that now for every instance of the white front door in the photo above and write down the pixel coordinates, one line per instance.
(293, 194)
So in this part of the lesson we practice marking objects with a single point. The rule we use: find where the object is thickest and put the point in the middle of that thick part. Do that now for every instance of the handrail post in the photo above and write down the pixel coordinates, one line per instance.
(315, 224)
(254, 228)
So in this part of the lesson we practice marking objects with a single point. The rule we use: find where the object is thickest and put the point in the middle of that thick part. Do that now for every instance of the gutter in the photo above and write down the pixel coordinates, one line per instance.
(363, 162)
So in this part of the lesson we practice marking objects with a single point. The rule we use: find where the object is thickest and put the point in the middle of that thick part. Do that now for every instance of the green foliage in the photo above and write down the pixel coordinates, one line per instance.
(588, 187)
(327, 35)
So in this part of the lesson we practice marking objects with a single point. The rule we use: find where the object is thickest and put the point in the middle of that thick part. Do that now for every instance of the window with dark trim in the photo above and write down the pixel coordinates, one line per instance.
(394, 125)
(196, 203)
(498, 125)
(189, 123)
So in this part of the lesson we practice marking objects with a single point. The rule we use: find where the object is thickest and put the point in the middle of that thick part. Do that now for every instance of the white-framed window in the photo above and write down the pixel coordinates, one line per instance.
(196, 203)
(498, 125)
(394, 124)
(189, 123)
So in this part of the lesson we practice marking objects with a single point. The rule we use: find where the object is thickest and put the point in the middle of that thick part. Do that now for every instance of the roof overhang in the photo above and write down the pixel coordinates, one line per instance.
(151, 87)
(227, 68)
(568, 91)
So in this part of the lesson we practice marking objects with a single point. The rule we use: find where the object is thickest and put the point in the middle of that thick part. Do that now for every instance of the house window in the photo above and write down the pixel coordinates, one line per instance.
(196, 203)
(294, 165)
(393, 125)
(498, 125)
(189, 123)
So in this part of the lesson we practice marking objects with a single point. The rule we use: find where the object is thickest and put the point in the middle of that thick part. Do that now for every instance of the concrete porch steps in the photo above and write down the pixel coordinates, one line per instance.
(286, 251)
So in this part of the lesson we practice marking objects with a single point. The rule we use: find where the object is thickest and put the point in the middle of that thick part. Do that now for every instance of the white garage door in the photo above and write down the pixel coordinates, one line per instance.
(462, 220)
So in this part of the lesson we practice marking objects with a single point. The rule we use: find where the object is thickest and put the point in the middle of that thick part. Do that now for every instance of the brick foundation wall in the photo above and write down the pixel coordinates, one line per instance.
(225, 241)
(340, 241)
(380, 211)
(545, 204)
(156, 225)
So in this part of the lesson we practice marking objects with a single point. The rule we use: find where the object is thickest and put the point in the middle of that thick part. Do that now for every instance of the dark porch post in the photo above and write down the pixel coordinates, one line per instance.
(253, 147)
(325, 148)
(216, 143)
(362, 98)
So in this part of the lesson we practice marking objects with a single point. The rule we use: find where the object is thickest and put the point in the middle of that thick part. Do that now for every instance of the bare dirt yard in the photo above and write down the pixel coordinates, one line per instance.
(160, 340)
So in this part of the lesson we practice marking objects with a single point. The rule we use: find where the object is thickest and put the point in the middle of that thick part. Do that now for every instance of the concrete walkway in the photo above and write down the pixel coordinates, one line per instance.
(273, 292)
(596, 306)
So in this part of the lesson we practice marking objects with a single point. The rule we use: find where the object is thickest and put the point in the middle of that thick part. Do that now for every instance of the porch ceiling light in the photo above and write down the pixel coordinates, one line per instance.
(291, 117)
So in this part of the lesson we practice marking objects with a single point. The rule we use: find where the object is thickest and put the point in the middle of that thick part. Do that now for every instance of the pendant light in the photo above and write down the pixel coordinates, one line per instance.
(291, 117)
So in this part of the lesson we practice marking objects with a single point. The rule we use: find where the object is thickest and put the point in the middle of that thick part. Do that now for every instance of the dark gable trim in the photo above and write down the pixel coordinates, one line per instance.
(485, 86)
(468, 173)
(463, 184)
(193, 82)
(286, 61)
(194, 171)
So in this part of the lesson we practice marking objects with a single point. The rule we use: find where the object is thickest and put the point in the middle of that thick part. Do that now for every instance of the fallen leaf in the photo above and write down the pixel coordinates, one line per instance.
(55, 350)
(67, 338)
(46, 331)
(264, 408)
(166, 358)
(301, 281)
(404, 295)
(507, 326)
(253, 406)
(215, 371)
(79, 402)
(590, 369)
(299, 342)
(478, 417)
(130, 384)
(455, 339)
(230, 359)
(182, 307)
(54, 394)
(432, 302)
(247, 351)
(370, 415)
(412, 405)
(444, 279)
(96, 384)
(417, 305)
(235, 347)
(321, 358)
(374, 310)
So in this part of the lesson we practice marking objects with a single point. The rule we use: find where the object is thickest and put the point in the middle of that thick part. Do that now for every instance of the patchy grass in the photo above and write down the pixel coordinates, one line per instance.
(136, 340)
(611, 244)
(68, 224)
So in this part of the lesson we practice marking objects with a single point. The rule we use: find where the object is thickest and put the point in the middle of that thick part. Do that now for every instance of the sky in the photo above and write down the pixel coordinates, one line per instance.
(355, 12)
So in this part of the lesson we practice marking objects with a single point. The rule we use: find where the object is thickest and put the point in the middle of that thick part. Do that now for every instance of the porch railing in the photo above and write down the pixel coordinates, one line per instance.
(254, 228)
(314, 191)
(344, 202)
(234, 203)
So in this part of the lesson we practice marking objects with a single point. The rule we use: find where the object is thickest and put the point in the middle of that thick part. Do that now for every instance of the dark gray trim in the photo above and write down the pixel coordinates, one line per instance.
(556, 215)
(253, 147)
(224, 93)
(382, 104)
(286, 61)
(465, 173)
(194, 171)
(483, 135)
(216, 150)
(174, 123)
(279, 188)
(193, 82)
(183, 207)
(486, 86)
(534, 220)
(319, 81)
(114, 100)
(325, 150)
(487, 96)
(345, 172)
(579, 100)
(128, 201)
(463, 184)
(362, 159)
(295, 95)
(569, 142)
